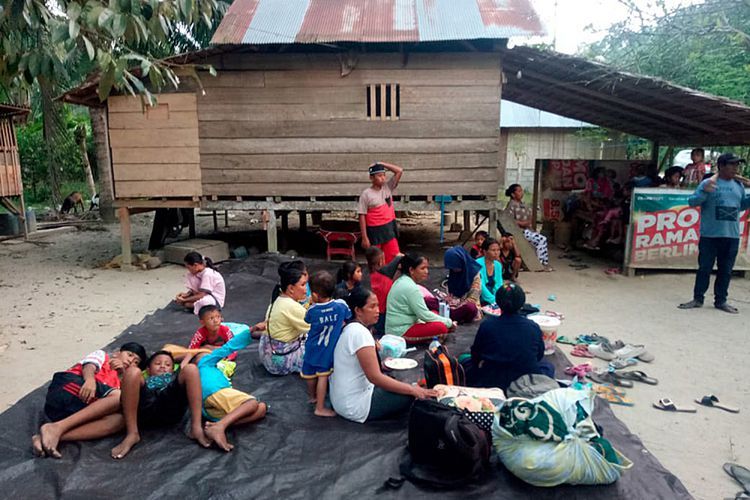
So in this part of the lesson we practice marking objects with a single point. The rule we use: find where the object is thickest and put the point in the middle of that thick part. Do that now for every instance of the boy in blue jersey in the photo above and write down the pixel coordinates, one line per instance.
(326, 318)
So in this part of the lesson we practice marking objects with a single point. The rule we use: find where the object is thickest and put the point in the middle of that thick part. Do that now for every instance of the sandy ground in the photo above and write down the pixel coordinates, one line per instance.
(57, 305)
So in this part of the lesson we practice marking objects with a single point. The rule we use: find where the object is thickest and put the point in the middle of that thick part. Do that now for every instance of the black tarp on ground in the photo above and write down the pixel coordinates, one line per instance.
(291, 454)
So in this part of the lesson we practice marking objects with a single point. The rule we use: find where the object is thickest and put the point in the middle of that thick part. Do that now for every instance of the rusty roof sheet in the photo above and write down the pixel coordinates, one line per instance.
(258, 22)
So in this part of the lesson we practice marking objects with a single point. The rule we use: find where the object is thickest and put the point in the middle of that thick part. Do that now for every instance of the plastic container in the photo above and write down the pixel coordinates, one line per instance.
(392, 346)
(549, 326)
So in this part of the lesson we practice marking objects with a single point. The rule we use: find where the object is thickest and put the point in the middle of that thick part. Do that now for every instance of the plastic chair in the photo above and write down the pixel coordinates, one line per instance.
(339, 243)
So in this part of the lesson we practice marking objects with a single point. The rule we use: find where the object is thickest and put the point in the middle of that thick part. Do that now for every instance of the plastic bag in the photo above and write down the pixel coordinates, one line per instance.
(572, 461)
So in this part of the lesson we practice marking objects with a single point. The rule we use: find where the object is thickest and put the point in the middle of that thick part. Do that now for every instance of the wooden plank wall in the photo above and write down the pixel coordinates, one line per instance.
(10, 165)
(155, 153)
(292, 125)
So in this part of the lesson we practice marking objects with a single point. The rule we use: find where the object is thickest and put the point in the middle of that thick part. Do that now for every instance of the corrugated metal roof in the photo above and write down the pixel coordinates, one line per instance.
(7, 109)
(517, 115)
(258, 22)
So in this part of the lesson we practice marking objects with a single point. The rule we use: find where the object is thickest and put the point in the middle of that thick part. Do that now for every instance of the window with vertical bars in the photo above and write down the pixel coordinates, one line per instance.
(383, 101)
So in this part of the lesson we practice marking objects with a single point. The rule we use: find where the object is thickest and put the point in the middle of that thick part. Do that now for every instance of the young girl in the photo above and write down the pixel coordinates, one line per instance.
(204, 283)
(349, 277)
(510, 258)
(476, 250)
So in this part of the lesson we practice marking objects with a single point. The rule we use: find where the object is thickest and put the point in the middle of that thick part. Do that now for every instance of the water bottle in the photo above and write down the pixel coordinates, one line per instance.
(434, 344)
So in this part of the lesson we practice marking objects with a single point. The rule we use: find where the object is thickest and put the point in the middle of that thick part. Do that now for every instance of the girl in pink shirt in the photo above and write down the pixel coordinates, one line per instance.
(204, 283)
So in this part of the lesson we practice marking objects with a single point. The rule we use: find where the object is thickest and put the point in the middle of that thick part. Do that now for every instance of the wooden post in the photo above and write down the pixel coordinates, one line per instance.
(467, 220)
(216, 222)
(127, 257)
(226, 218)
(191, 223)
(285, 221)
(303, 220)
(492, 229)
(536, 190)
(655, 153)
(273, 242)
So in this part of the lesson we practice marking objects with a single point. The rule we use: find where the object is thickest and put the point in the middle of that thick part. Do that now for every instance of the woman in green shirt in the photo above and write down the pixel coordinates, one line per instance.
(407, 314)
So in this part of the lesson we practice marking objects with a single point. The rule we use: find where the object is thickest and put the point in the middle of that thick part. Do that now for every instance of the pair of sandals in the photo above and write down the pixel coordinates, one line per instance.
(621, 379)
(741, 475)
(709, 400)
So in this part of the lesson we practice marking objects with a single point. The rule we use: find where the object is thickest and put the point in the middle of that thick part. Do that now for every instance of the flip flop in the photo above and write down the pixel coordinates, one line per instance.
(591, 339)
(646, 357)
(739, 473)
(630, 351)
(639, 376)
(602, 351)
(579, 371)
(666, 404)
(620, 363)
(713, 402)
(581, 351)
(612, 395)
(562, 339)
(579, 267)
(609, 378)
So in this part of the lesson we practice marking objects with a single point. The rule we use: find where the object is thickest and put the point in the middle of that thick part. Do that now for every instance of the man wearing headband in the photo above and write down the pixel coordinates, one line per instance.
(377, 217)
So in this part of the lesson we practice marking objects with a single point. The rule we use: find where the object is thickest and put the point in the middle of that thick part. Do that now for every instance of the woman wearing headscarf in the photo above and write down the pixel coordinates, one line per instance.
(464, 285)
(506, 346)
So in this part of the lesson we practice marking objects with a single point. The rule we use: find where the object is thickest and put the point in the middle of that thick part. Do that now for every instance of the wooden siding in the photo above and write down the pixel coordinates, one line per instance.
(292, 125)
(155, 153)
(10, 165)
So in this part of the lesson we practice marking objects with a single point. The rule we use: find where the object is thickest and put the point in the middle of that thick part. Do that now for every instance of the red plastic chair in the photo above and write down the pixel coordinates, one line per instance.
(339, 243)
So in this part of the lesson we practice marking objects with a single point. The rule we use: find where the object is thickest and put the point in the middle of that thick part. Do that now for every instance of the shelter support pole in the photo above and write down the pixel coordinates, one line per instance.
(226, 218)
(303, 220)
(191, 223)
(467, 220)
(655, 152)
(125, 235)
(284, 222)
(216, 222)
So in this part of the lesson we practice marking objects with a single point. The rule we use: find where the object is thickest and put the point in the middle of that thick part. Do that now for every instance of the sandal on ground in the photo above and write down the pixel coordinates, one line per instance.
(591, 339)
(579, 267)
(646, 357)
(630, 351)
(603, 351)
(620, 363)
(713, 402)
(607, 377)
(638, 376)
(739, 473)
(612, 395)
(562, 339)
(581, 351)
(579, 371)
(667, 404)
(693, 304)
(727, 308)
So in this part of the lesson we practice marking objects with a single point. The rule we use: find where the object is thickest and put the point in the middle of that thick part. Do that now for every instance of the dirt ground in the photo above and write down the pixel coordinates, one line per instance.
(58, 304)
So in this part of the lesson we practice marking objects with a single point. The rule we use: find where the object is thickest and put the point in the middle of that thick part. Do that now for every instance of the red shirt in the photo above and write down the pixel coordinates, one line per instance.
(104, 373)
(381, 285)
(200, 338)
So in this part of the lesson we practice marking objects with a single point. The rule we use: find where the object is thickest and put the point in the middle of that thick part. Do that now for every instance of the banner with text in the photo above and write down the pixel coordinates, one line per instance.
(664, 231)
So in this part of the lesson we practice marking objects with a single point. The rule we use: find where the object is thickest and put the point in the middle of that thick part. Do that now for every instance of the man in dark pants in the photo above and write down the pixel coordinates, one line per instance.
(721, 198)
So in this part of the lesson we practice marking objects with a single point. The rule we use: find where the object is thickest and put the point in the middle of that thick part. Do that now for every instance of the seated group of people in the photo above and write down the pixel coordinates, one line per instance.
(327, 331)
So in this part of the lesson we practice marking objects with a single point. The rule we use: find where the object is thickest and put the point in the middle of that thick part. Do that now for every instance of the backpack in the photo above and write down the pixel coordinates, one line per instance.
(442, 368)
(446, 449)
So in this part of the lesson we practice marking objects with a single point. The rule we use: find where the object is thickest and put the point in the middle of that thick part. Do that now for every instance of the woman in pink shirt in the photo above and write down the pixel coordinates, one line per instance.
(204, 283)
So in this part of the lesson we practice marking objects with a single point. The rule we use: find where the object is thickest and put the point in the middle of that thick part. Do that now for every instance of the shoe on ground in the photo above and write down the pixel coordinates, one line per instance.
(693, 304)
(727, 308)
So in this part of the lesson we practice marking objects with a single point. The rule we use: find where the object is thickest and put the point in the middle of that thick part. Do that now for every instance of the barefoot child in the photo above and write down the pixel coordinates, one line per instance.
(212, 334)
(82, 402)
(326, 318)
(349, 277)
(159, 398)
(223, 405)
(205, 286)
(476, 249)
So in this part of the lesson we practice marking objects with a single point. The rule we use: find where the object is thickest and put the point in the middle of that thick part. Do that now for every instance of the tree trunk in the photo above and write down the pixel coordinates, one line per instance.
(52, 137)
(81, 138)
(103, 163)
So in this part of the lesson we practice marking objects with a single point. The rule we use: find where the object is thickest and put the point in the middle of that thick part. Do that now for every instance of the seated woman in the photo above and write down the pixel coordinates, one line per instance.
(491, 271)
(598, 190)
(358, 389)
(464, 287)
(407, 314)
(507, 346)
(510, 258)
(522, 215)
(282, 346)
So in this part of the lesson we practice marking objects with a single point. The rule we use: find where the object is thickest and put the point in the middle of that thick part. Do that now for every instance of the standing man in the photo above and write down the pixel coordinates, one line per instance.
(721, 199)
(377, 217)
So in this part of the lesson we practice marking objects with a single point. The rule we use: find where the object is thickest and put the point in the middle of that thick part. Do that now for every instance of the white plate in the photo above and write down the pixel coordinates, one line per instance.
(401, 363)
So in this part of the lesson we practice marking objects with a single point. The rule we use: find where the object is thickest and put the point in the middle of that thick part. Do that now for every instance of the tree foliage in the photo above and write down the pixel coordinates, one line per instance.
(704, 46)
